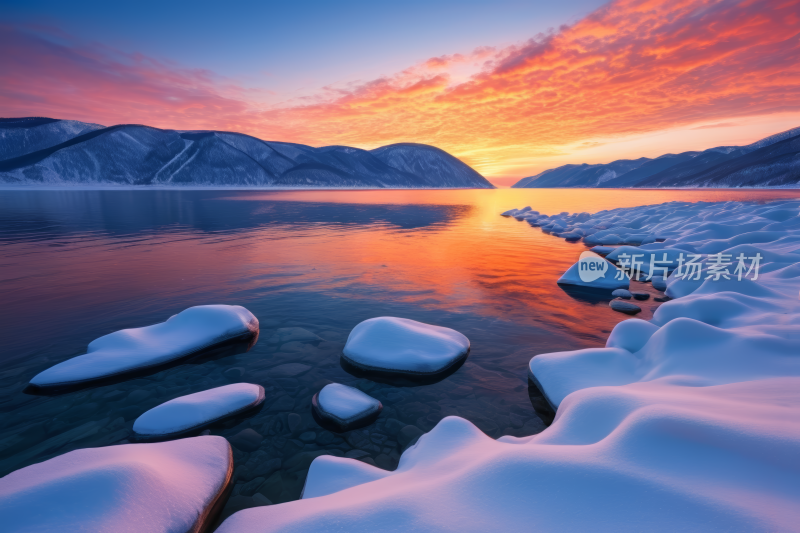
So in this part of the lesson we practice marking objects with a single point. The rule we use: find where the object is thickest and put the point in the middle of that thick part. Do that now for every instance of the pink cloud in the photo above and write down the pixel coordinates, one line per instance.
(631, 67)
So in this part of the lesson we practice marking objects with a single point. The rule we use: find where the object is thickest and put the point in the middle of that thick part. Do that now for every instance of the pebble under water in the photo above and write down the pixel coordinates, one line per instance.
(310, 266)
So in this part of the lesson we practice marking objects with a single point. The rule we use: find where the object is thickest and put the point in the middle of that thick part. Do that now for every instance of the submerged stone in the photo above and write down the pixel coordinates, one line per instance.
(624, 307)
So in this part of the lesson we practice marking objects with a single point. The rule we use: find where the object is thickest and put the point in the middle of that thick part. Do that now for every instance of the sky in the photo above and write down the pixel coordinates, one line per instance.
(510, 87)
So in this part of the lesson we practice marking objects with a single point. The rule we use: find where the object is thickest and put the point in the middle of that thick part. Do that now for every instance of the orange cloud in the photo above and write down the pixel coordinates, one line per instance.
(632, 67)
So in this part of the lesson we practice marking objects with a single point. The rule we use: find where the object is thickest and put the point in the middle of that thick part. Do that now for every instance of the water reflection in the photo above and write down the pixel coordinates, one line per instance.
(76, 265)
(31, 216)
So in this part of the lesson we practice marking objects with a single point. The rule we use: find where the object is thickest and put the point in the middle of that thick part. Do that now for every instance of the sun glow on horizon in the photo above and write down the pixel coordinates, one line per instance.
(635, 78)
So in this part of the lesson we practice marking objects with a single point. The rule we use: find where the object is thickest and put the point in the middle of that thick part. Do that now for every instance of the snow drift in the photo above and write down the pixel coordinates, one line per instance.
(690, 422)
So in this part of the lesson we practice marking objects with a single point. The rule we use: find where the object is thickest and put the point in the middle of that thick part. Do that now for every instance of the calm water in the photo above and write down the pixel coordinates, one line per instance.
(75, 265)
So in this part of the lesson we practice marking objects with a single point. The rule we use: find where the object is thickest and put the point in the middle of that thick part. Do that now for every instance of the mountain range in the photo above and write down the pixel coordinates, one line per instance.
(771, 162)
(43, 151)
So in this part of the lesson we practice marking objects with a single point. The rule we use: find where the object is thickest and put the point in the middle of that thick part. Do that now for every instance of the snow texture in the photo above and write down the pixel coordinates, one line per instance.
(603, 250)
(771, 162)
(194, 411)
(140, 155)
(688, 422)
(166, 487)
(404, 347)
(22, 136)
(182, 335)
(659, 283)
(345, 407)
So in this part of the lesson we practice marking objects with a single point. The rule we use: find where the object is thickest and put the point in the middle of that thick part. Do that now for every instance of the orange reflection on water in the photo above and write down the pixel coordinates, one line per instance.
(425, 254)
(475, 262)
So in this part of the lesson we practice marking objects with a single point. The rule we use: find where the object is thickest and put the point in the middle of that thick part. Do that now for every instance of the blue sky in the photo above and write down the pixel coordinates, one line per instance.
(301, 45)
(622, 79)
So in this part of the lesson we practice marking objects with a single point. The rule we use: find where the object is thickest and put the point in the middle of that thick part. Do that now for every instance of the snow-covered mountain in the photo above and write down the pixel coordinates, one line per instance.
(20, 136)
(141, 155)
(771, 162)
(580, 175)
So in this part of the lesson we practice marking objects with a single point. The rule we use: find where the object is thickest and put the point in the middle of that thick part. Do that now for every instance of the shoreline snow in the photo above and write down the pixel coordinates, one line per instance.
(688, 422)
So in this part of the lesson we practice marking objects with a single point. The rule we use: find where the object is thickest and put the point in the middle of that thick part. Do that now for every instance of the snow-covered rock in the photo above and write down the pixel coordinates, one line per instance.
(659, 283)
(646, 261)
(602, 250)
(343, 408)
(611, 239)
(130, 350)
(622, 293)
(189, 413)
(688, 422)
(570, 236)
(608, 277)
(400, 346)
(168, 487)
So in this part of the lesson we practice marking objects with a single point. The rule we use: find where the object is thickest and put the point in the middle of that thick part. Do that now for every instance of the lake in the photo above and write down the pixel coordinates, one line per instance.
(78, 264)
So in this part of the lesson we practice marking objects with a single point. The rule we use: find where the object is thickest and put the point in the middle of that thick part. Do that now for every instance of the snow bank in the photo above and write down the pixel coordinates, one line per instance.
(166, 487)
(193, 411)
(635, 458)
(689, 422)
(344, 407)
(404, 347)
(128, 350)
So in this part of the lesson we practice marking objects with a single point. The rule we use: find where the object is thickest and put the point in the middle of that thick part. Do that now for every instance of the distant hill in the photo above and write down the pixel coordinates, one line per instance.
(20, 136)
(51, 152)
(770, 162)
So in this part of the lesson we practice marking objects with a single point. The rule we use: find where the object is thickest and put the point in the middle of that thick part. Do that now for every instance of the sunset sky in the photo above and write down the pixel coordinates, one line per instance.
(510, 87)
